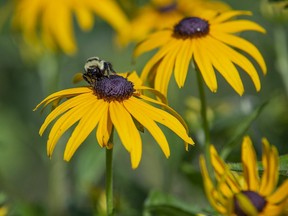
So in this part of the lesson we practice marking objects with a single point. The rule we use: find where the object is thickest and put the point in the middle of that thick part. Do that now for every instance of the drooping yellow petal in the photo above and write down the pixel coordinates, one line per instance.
(244, 45)
(204, 64)
(154, 40)
(275, 209)
(280, 195)
(86, 124)
(148, 123)
(104, 129)
(249, 162)
(83, 15)
(121, 123)
(164, 72)
(111, 13)
(63, 93)
(228, 15)
(62, 30)
(270, 164)
(222, 63)
(64, 123)
(162, 117)
(65, 106)
(162, 52)
(237, 26)
(127, 131)
(209, 187)
(182, 62)
(222, 171)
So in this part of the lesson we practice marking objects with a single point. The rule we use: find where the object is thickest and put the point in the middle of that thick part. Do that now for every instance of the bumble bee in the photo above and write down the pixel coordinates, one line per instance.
(96, 69)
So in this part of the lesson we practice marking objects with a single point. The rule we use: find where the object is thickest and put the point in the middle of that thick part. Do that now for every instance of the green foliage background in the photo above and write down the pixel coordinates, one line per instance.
(33, 184)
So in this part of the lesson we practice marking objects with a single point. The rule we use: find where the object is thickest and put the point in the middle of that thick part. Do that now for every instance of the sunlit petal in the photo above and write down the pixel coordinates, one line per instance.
(238, 26)
(204, 64)
(164, 72)
(249, 164)
(244, 45)
(155, 40)
(86, 124)
(64, 123)
(150, 125)
(182, 62)
(223, 64)
(104, 129)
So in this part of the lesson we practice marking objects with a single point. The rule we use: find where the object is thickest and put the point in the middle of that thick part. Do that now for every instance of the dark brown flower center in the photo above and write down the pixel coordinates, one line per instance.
(113, 88)
(190, 27)
(258, 201)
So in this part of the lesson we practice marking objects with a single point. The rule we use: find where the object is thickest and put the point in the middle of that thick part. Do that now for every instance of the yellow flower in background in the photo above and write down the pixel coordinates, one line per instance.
(248, 194)
(208, 40)
(159, 14)
(110, 101)
(55, 19)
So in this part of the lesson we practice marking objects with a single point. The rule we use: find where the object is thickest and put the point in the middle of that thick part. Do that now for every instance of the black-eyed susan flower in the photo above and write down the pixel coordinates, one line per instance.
(208, 40)
(246, 194)
(110, 101)
(148, 17)
(55, 20)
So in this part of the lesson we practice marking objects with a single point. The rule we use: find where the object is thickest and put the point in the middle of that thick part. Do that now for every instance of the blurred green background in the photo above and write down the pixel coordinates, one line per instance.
(33, 184)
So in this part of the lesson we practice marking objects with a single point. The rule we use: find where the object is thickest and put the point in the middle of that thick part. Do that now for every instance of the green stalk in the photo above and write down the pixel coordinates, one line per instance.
(205, 123)
(109, 177)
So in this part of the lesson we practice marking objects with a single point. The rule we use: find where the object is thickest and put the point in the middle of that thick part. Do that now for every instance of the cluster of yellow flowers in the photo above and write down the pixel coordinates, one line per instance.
(200, 33)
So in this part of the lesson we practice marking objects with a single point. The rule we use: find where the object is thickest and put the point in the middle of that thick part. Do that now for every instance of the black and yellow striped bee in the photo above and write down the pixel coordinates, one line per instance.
(96, 69)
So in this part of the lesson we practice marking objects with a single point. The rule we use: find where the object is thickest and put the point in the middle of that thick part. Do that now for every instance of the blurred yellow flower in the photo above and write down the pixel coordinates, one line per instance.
(208, 41)
(248, 194)
(54, 19)
(112, 101)
(159, 14)
(3, 210)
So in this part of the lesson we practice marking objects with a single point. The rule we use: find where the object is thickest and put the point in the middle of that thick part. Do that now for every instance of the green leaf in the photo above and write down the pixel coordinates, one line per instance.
(161, 204)
(241, 129)
(283, 166)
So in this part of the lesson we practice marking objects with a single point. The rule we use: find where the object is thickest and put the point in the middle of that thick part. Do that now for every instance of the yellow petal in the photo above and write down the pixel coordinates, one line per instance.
(170, 46)
(204, 64)
(275, 210)
(164, 72)
(209, 187)
(62, 30)
(222, 172)
(104, 129)
(64, 93)
(86, 124)
(182, 62)
(133, 107)
(111, 13)
(237, 26)
(249, 162)
(280, 195)
(228, 15)
(83, 15)
(64, 123)
(65, 106)
(244, 45)
(220, 60)
(270, 164)
(162, 117)
(127, 131)
(154, 40)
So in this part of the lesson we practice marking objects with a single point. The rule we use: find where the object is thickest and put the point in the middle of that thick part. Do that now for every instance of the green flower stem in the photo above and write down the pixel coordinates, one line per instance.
(205, 123)
(109, 177)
